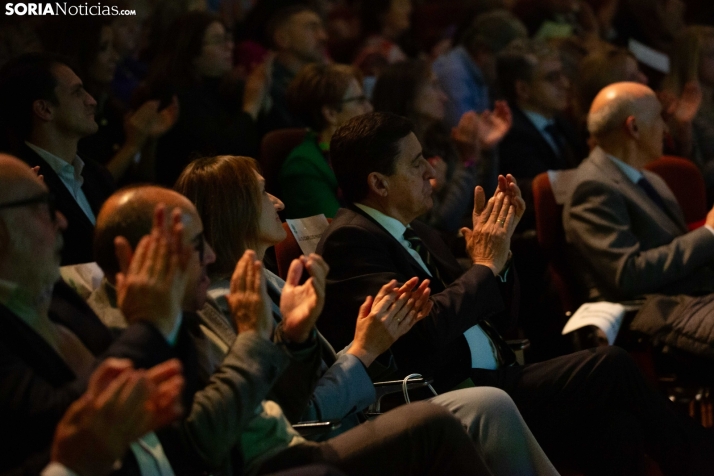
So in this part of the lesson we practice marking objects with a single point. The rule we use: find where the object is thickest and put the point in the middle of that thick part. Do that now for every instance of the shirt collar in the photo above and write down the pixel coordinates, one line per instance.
(538, 120)
(71, 171)
(392, 225)
(630, 172)
(11, 296)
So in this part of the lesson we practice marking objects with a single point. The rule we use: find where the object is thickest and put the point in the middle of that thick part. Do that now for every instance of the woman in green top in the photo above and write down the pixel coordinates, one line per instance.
(326, 96)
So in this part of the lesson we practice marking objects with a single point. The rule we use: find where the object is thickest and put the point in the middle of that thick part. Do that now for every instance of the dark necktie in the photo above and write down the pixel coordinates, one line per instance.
(652, 193)
(504, 354)
(418, 246)
(557, 137)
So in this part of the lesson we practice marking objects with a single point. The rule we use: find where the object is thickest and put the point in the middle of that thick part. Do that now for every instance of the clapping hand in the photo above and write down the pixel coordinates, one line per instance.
(121, 404)
(301, 304)
(152, 280)
(493, 126)
(388, 316)
(488, 243)
(248, 297)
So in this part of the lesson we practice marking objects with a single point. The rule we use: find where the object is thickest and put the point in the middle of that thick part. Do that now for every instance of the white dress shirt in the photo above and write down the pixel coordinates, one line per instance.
(71, 177)
(483, 352)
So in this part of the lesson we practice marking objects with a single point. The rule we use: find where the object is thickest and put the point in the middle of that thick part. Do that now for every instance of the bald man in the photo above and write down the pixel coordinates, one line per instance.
(625, 230)
(49, 339)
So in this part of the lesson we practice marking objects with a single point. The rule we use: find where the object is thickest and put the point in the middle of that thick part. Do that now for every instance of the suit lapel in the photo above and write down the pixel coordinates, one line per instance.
(33, 349)
(400, 250)
(553, 161)
(65, 201)
(670, 201)
(635, 193)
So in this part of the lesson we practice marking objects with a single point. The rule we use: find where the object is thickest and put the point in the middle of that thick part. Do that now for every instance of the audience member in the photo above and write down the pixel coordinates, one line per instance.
(51, 340)
(548, 19)
(460, 156)
(467, 74)
(324, 97)
(88, 45)
(120, 406)
(298, 38)
(128, 34)
(532, 80)
(655, 23)
(624, 227)
(217, 112)
(383, 24)
(344, 387)
(45, 111)
(588, 404)
(599, 69)
(693, 61)
(235, 412)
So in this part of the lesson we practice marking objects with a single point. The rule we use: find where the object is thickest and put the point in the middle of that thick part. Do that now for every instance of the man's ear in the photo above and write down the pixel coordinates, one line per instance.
(329, 114)
(42, 109)
(378, 184)
(523, 90)
(631, 127)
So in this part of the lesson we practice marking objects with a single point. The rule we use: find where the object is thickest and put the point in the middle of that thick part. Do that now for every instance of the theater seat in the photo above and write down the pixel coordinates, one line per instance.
(274, 149)
(550, 190)
(687, 183)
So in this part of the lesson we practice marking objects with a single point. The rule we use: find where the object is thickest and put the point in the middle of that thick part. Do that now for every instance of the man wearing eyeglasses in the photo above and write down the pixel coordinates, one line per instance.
(532, 80)
(45, 112)
(49, 339)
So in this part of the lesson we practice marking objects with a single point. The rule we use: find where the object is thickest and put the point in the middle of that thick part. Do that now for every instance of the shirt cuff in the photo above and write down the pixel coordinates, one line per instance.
(57, 469)
(506, 269)
(173, 335)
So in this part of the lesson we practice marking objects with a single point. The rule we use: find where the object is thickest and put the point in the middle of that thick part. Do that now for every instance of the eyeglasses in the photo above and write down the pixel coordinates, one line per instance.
(359, 99)
(199, 244)
(46, 198)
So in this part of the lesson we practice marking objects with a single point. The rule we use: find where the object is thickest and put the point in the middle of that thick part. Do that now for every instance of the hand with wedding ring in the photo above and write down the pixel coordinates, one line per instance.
(488, 243)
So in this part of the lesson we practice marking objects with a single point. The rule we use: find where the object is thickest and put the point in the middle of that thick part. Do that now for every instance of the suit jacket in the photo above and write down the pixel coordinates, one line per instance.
(37, 386)
(343, 386)
(623, 244)
(363, 257)
(230, 387)
(98, 186)
(524, 153)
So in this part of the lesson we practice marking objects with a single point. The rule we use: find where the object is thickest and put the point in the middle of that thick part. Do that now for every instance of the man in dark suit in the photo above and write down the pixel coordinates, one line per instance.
(532, 80)
(625, 230)
(49, 338)
(45, 112)
(592, 403)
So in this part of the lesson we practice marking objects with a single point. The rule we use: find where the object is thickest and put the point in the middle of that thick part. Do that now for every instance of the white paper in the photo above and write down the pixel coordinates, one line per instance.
(308, 231)
(83, 278)
(651, 57)
(606, 316)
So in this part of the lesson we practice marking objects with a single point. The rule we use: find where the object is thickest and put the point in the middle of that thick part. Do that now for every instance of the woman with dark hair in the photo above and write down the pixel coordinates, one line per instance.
(217, 111)
(411, 89)
(247, 218)
(325, 97)
(384, 23)
(123, 137)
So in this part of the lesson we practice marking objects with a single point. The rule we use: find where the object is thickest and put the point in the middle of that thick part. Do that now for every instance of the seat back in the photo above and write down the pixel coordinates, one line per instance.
(274, 149)
(550, 190)
(685, 180)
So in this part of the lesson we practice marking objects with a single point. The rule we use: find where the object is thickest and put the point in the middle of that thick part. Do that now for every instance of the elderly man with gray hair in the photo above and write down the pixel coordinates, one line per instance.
(624, 228)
